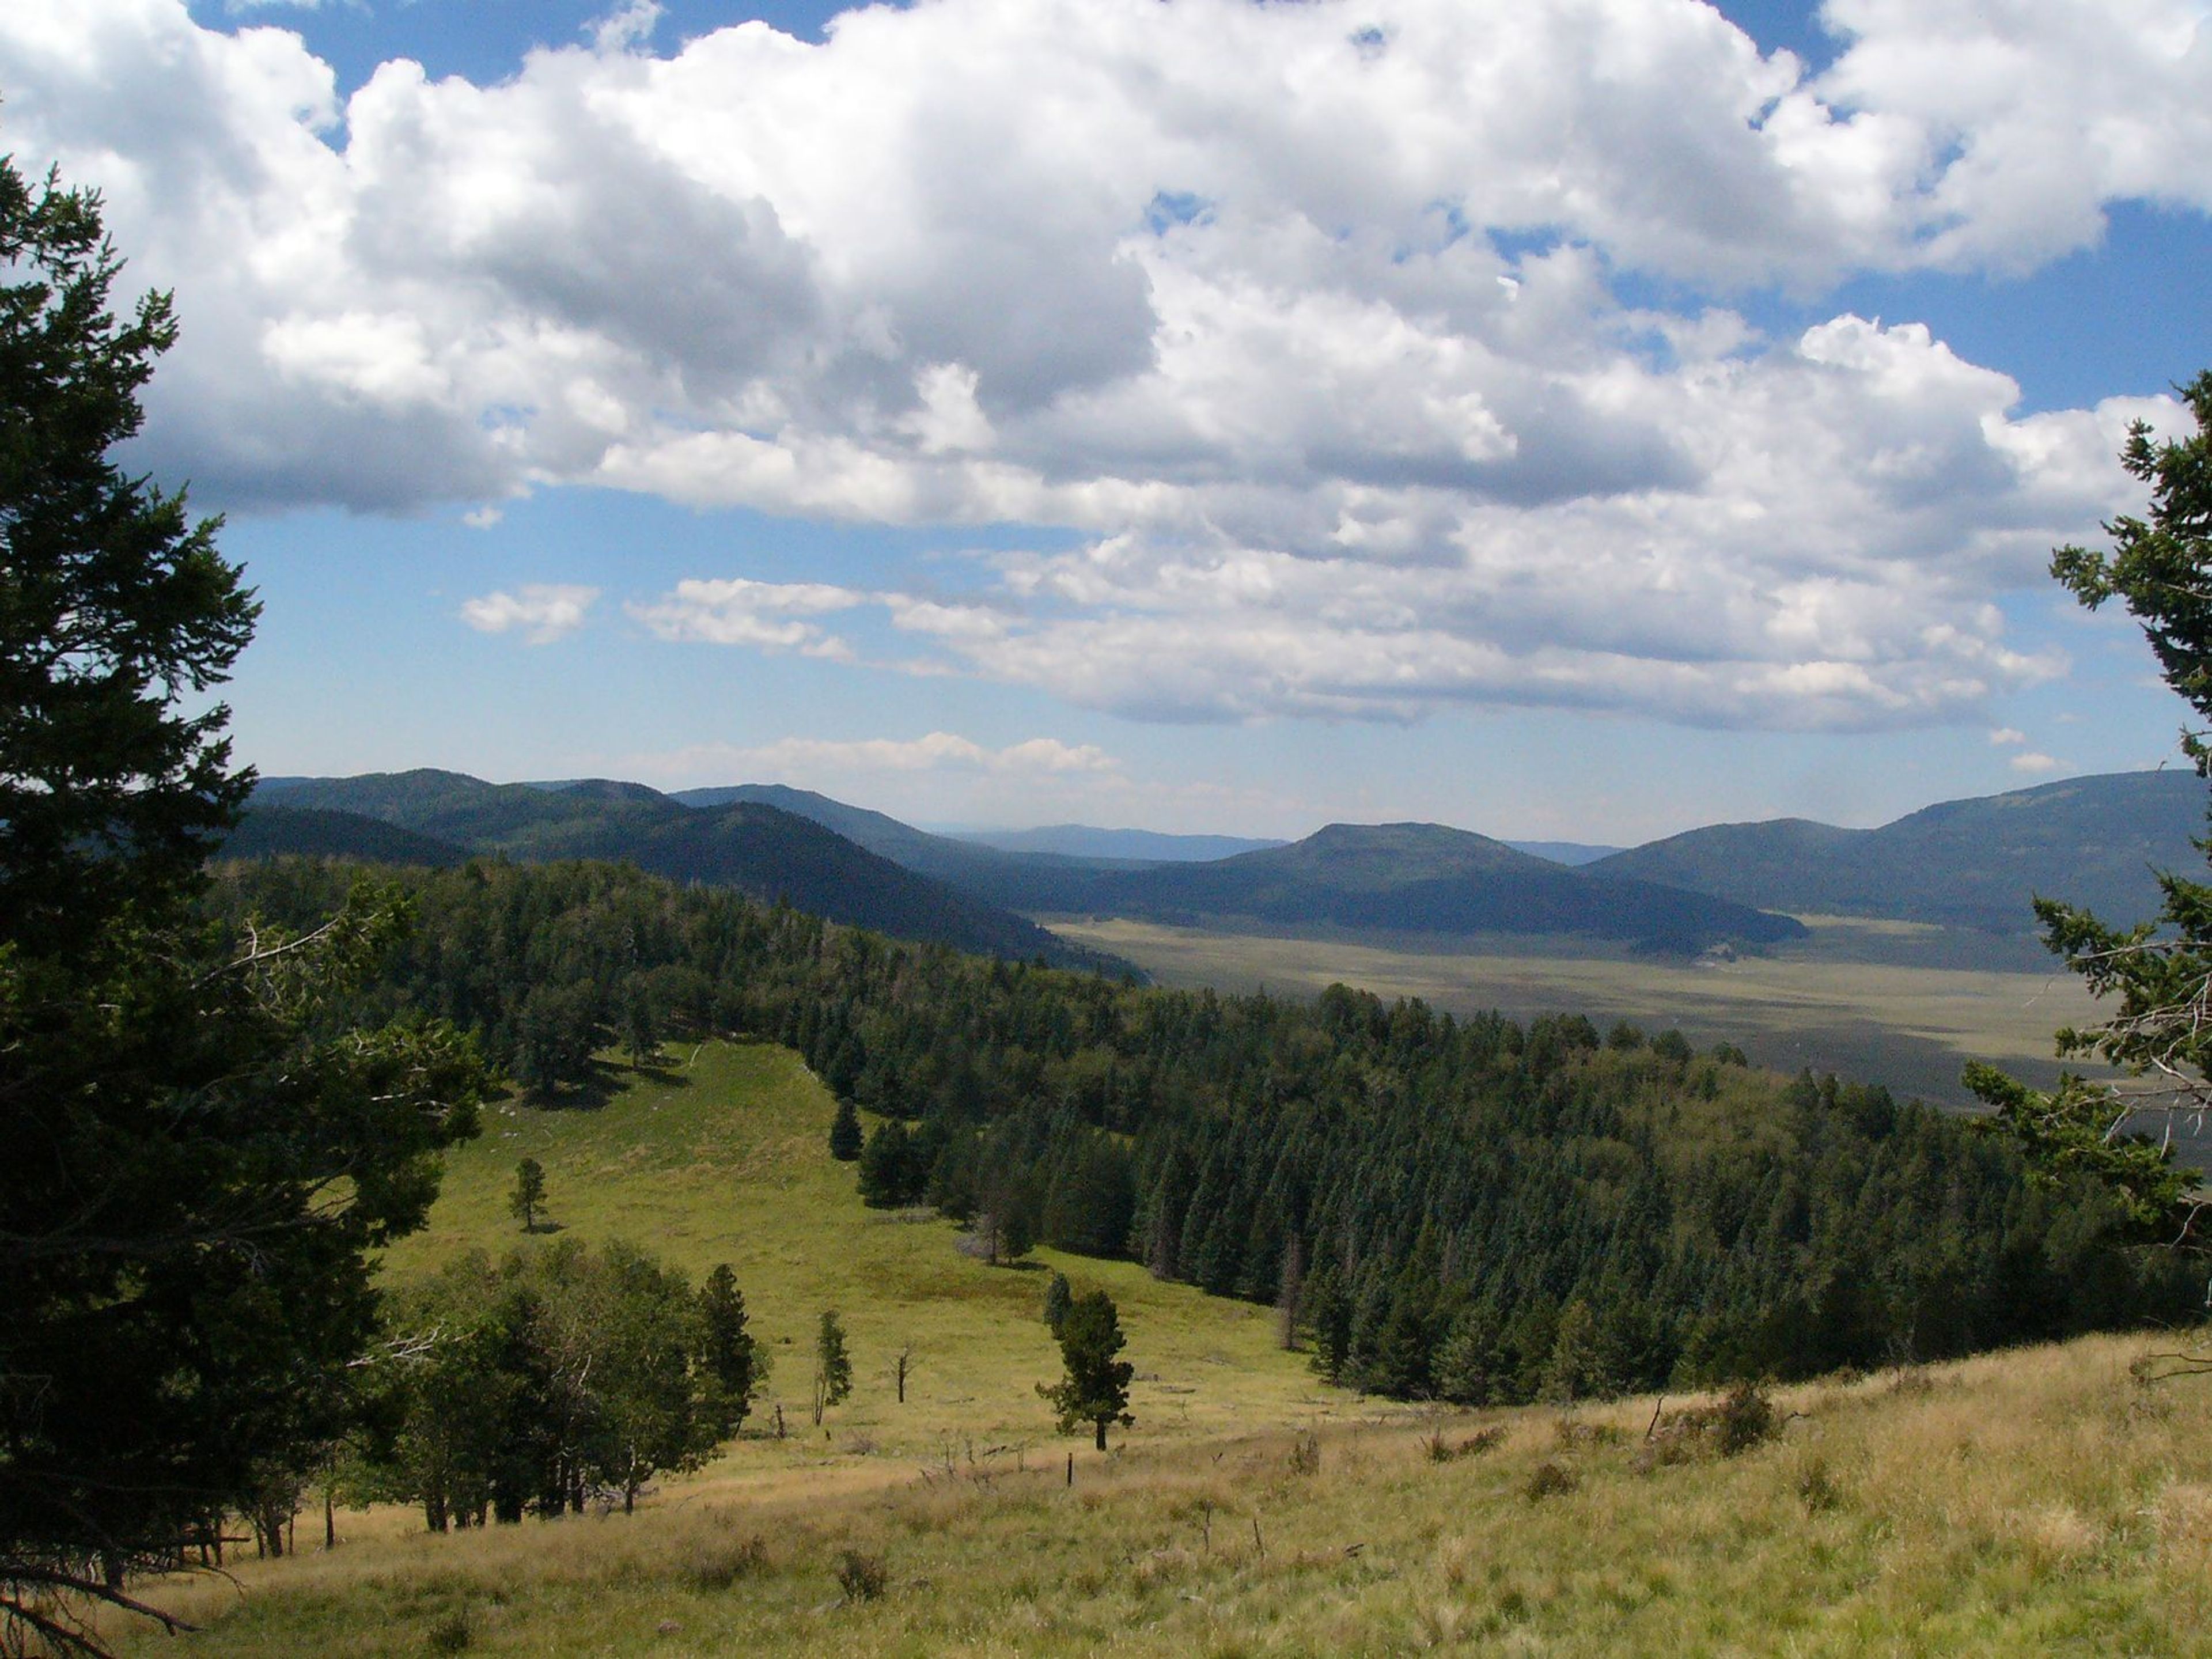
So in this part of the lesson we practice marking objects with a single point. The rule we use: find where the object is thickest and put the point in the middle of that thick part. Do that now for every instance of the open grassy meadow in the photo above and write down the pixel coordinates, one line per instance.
(1842, 1001)
(723, 1155)
(2039, 1501)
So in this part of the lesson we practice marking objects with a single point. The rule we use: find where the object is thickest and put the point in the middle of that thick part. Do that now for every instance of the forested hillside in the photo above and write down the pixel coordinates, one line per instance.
(1471, 1209)
(2096, 841)
(757, 848)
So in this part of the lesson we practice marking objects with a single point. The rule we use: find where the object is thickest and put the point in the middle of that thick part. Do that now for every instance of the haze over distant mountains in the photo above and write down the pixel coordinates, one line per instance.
(2095, 842)
(1969, 865)
(1397, 879)
(756, 848)
(1084, 840)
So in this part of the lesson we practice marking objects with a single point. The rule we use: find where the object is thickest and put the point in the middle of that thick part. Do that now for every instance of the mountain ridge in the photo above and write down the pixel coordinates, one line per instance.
(1974, 862)
(752, 846)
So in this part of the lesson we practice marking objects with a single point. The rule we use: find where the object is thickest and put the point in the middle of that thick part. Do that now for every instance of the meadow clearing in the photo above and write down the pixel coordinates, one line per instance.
(2040, 1500)
(1875, 1002)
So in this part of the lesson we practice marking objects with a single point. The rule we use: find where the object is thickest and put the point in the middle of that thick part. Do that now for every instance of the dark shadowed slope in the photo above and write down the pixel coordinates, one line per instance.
(1975, 863)
(755, 848)
(1425, 879)
(321, 832)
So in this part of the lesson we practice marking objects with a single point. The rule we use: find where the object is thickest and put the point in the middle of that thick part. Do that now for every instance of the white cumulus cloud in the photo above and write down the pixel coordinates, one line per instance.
(1310, 321)
(846, 758)
(542, 612)
(739, 611)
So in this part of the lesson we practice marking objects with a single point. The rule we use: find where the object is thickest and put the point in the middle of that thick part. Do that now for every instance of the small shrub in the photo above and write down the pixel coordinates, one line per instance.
(1549, 1479)
(862, 1578)
(1441, 1450)
(1306, 1454)
(718, 1562)
(1817, 1489)
(1746, 1418)
(451, 1633)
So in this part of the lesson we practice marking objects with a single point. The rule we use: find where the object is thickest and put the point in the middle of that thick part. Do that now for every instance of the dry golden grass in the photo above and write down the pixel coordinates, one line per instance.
(2040, 1501)
(2037, 1501)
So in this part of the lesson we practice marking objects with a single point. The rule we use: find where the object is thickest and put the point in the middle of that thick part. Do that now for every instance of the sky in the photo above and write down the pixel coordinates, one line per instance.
(1568, 419)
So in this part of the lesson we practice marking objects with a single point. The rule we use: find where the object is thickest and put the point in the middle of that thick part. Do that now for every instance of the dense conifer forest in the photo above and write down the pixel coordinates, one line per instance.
(1464, 1209)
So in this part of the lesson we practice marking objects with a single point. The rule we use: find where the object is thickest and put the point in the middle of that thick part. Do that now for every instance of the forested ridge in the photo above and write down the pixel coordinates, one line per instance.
(1467, 1209)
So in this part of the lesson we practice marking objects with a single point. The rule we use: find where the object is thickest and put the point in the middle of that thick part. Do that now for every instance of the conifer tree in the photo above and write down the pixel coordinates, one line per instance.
(845, 1140)
(728, 1352)
(528, 1197)
(198, 1152)
(1096, 1389)
(2158, 972)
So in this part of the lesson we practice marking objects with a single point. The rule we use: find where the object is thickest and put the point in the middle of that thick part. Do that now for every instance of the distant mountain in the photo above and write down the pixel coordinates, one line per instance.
(1128, 846)
(1397, 879)
(1018, 881)
(746, 844)
(1976, 863)
(320, 832)
(1565, 852)
(1425, 879)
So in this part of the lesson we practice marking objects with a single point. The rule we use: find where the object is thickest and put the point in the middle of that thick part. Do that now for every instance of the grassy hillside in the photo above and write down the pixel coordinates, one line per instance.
(2037, 1502)
(724, 1158)
(2032, 1502)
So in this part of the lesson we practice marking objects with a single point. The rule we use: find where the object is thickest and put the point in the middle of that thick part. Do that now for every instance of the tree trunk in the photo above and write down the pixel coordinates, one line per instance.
(1101, 1434)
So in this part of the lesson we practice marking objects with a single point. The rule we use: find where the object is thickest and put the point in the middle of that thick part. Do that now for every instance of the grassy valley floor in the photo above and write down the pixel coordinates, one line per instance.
(1834, 1003)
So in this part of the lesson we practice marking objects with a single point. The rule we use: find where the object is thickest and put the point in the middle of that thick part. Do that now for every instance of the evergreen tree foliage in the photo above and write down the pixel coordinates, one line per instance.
(2157, 972)
(1447, 1189)
(1096, 1388)
(528, 1197)
(844, 1140)
(731, 1358)
(1058, 1297)
(200, 1149)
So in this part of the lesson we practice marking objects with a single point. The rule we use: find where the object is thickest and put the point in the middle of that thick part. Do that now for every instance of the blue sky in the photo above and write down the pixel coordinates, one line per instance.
(1584, 419)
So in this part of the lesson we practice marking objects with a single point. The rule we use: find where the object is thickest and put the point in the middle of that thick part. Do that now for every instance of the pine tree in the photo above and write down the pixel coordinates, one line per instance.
(199, 1152)
(1058, 1297)
(2157, 971)
(728, 1352)
(845, 1140)
(1096, 1389)
(529, 1194)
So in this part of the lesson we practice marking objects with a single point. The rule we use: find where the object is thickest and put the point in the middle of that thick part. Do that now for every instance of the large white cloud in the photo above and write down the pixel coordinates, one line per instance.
(1308, 314)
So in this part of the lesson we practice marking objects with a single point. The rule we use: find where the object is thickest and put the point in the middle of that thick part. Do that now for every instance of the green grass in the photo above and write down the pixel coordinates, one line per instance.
(2033, 1502)
(724, 1156)
(1823, 1004)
